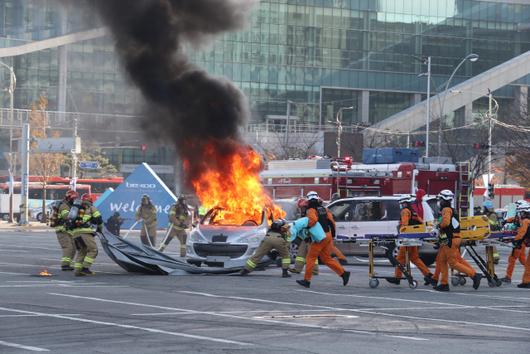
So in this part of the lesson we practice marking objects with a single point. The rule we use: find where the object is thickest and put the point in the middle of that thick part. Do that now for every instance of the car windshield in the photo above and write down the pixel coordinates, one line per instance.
(365, 210)
(223, 217)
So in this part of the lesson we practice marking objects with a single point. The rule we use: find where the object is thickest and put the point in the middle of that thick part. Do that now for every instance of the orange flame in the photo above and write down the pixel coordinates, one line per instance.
(45, 273)
(231, 183)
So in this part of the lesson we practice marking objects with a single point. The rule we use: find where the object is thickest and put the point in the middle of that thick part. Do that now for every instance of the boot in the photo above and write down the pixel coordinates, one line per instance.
(304, 283)
(66, 268)
(524, 285)
(393, 280)
(285, 273)
(429, 280)
(476, 281)
(442, 287)
(435, 282)
(345, 278)
(294, 270)
(87, 271)
(506, 280)
(244, 272)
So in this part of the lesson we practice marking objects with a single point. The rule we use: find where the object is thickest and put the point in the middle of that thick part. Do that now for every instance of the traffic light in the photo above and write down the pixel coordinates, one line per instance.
(480, 146)
(419, 143)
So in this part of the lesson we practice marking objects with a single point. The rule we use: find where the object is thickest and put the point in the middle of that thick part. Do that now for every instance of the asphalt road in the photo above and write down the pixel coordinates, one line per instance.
(119, 312)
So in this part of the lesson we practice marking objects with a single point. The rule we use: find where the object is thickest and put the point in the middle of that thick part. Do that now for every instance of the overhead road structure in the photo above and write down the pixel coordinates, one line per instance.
(460, 95)
(52, 42)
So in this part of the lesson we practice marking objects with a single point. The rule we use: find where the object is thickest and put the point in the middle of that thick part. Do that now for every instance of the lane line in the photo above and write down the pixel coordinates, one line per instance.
(363, 311)
(26, 347)
(49, 267)
(145, 329)
(212, 313)
(410, 338)
(384, 298)
(482, 295)
(14, 273)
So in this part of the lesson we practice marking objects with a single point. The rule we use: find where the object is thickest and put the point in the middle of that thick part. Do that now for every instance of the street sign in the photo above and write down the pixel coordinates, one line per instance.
(89, 165)
(58, 145)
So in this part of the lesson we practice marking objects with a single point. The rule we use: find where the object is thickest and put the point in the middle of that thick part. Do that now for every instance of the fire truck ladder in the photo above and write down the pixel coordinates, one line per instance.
(464, 188)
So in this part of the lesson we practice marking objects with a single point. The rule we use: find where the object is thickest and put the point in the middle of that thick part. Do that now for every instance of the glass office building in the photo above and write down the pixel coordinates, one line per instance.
(319, 54)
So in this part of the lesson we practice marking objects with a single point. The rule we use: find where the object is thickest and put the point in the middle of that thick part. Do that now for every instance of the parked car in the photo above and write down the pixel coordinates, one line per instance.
(36, 213)
(359, 216)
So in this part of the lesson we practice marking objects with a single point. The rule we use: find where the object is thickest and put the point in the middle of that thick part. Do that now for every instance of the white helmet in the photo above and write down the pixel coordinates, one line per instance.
(523, 207)
(407, 199)
(520, 202)
(312, 195)
(446, 194)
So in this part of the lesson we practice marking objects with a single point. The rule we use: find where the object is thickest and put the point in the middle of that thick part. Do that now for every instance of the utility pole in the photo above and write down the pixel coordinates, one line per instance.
(428, 110)
(24, 191)
(490, 128)
(74, 158)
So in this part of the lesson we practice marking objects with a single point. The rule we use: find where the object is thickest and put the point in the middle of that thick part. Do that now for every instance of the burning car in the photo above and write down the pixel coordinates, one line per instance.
(222, 239)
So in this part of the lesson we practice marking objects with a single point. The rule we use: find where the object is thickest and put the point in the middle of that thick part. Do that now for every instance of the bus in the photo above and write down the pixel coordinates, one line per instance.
(98, 185)
(53, 191)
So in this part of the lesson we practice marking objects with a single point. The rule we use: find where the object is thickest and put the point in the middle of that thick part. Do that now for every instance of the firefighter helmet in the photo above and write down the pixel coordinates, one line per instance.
(312, 195)
(71, 195)
(407, 199)
(87, 197)
(278, 224)
(446, 194)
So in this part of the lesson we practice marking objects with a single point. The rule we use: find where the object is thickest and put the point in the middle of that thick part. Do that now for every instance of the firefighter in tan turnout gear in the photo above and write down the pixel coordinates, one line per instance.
(81, 217)
(147, 214)
(277, 238)
(57, 221)
(180, 220)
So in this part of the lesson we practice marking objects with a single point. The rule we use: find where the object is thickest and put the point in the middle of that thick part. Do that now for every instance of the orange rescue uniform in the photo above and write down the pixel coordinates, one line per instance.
(451, 255)
(522, 233)
(414, 255)
(321, 249)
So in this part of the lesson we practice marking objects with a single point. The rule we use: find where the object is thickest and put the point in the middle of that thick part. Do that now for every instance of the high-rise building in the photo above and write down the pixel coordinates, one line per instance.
(320, 54)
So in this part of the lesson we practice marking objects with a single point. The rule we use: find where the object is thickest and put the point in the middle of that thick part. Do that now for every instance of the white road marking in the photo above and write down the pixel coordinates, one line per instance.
(362, 311)
(211, 313)
(13, 273)
(49, 267)
(63, 314)
(453, 293)
(145, 329)
(384, 298)
(26, 347)
(411, 338)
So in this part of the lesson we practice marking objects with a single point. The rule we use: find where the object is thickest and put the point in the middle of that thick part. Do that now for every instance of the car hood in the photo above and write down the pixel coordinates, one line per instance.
(232, 233)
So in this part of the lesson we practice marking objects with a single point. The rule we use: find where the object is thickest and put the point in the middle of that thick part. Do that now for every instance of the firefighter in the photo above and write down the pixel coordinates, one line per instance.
(305, 242)
(147, 214)
(335, 252)
(114, 224)
(180, 220)
(519, 250)
(57, 221)
(323, 244)
(523, 237)
(276, 238)
(410, 217)
(449, 240)
(81, 217)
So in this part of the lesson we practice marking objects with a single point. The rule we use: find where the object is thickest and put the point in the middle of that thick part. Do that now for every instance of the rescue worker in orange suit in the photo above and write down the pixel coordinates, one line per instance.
(449, 240)
(410, 217)
(303, 246)
(147, 214)
(276, 238)
(84, 236)
(66, 241)
(519, 252)
(316, 213)
(523, 237)
(335, 252)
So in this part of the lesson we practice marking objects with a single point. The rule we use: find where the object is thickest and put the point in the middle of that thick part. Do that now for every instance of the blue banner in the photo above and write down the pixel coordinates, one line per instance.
(126, 197)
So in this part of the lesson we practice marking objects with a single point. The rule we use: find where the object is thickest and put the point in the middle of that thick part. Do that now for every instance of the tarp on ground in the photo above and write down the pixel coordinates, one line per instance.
(138, 258)
(126, 197)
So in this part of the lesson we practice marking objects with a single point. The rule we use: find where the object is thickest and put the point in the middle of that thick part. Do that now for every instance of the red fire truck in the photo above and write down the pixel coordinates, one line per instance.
(294, 178)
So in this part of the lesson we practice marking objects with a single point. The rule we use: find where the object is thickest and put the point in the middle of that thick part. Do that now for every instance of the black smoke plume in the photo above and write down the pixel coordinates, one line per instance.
(186, 105)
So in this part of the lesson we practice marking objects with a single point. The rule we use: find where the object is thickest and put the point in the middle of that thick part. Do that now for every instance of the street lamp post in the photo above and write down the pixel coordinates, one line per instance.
(11, 90)
(339, 128)
(472, 58)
